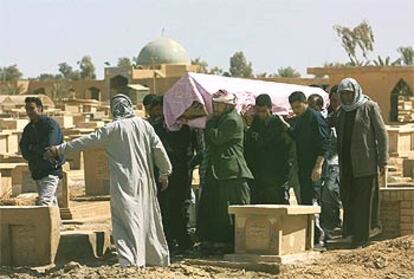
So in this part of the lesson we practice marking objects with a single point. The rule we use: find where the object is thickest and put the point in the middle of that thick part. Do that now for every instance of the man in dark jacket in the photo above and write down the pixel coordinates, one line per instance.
(226, 171)
(267, 154)
(330, 198)
(185, 152)
(311, 135)
(41, 133)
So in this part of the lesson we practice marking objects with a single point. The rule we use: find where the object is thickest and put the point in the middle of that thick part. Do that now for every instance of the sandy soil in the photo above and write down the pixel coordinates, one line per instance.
(389, 259)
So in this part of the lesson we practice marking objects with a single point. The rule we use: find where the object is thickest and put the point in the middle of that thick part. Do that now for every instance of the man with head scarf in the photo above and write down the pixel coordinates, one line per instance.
(133, 149)
(363, 152)
(226, 172)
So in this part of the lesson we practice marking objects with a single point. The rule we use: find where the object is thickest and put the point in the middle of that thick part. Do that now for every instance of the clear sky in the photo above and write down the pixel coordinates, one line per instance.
(39, 34)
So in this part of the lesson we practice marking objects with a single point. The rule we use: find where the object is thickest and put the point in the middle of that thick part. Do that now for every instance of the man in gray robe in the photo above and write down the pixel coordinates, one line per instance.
(133, 149)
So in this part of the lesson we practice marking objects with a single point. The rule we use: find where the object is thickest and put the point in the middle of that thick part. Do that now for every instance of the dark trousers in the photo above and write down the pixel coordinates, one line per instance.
(269, 192)
(174, 204)
(360, 199)
(330, 199)
(214, 223)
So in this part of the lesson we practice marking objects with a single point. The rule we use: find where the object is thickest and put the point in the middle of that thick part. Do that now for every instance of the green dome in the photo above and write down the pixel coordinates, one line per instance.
(163, 51)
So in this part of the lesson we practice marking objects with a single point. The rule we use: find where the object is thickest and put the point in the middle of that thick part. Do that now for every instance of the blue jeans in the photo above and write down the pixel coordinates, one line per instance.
(330, 199)
(47, 189)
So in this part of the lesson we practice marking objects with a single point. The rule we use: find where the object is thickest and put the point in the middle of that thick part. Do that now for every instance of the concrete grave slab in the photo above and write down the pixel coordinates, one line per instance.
(29, 235)
(267, 233)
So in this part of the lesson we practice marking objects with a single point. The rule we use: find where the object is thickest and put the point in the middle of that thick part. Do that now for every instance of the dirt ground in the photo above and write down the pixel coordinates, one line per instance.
(389, 259)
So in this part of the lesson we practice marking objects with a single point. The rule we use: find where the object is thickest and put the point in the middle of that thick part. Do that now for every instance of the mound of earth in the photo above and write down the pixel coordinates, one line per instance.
(386, 259)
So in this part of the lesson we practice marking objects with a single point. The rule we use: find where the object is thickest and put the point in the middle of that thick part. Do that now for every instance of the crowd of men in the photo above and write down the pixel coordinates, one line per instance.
(330, 157)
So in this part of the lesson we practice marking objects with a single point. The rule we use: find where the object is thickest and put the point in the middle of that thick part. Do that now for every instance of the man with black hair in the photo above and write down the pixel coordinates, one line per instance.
(267, 155)
(38, 135)
(147, 102)
(184, 150)
(315, 101)
(329, 199)
(311, 135)
(330, 195)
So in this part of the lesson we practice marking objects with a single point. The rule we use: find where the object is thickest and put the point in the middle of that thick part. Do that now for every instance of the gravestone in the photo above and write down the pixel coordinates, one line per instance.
(29, 235)
(96, 170)
(272, 233)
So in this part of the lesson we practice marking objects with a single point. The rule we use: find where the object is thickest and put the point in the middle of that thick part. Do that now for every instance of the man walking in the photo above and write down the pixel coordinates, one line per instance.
(267, 154)
(185, 152)
(311, 135)
(226, 172)
(133, 149)
(40, 133)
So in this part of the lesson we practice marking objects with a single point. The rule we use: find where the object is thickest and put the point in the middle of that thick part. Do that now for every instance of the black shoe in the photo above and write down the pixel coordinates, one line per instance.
(360, 244)
(319, 247)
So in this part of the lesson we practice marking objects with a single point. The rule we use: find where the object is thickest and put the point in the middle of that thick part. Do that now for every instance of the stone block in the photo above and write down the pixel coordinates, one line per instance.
(407, 219)
(28, 184)
(3, 142)
(272, 230)
(86, 210)
(29, 235)
(406, 232)
(63, 191)
(407, 212)
(13, 124)
(396, 195)
(407, 227)
(71, 108)
(13, 143)
(6, 170)
(91, 125)
(385, 195)
(82, 245)
(406, 204)
(408, 168)
(5, 187)
(90, 108)
(65, 121)
(80, 118)
(408, 195)
(75, 160)
(96, 170)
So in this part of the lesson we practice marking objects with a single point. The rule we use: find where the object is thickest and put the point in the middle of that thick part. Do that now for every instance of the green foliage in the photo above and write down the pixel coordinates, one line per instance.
(10, 73)
(202, 65)
(287, 72)
(124, 62)
(239, 66)
(87, 68)
(356, 41)
(407, 55)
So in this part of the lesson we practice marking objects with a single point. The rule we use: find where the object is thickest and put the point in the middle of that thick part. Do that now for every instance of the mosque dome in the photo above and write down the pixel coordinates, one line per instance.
(163, 51)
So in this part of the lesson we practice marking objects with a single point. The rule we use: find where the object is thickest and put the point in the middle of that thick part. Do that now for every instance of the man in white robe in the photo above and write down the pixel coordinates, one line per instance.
(132, 148)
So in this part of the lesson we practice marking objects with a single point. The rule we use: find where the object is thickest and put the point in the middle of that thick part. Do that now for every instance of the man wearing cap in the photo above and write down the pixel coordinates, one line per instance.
(226, 172)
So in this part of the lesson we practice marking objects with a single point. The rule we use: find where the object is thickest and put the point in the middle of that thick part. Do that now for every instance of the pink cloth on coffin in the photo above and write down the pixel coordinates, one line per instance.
(194, 87)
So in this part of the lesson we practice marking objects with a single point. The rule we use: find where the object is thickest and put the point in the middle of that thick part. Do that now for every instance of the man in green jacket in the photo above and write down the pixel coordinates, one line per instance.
(226, 172)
